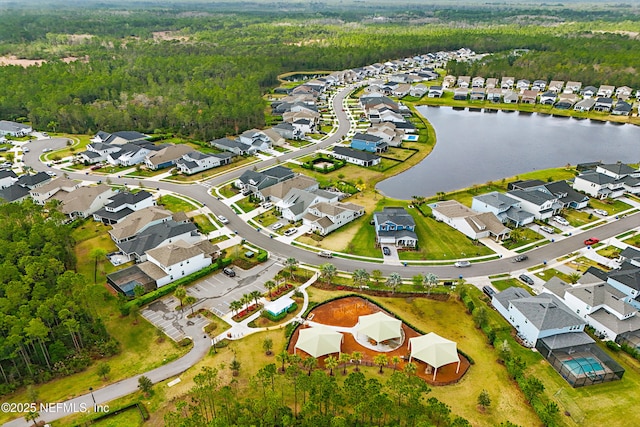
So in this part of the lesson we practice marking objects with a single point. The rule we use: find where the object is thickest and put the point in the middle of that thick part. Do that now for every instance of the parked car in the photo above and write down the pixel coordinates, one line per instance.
(325, 254)
(51, 173)
(521, 258)
(290, 231)
(526, 279)
(268, 205)
(277, 226)
(223, 219)
(547, 229)
(591, 241)
(489, 291)
(229, 272)
(462, 264)
(560, 220)
(46, 150)
(386, 251)
(601, 212)
(25, 149)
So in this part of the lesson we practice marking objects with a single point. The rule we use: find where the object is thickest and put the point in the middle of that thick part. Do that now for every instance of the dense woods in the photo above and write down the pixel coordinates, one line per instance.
(205, 79)
(47, 327)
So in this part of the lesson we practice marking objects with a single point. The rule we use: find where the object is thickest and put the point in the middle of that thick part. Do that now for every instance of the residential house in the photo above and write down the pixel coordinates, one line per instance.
(603, 104)
(601, 305)
(97, 152)
(158, 235)
(368, 142)
(14, 129)
(295, 204)
(253, 181)
(585, 105)
(197, 161)
(598, 185)
(460, 94)
(631, 255)
(448, 81)
(256, 138)
(464, 82)
(167, 156)
(7, 178)
(566, 101)
(536, 317)
(617, 170)
(288, 131)
(123, 204)
(572, 87)
(508, 210)
(324, 217)
(507, 83)
(548, 98)
(41, 194)
(395, 226)
(556, 86)
(130, 154)
(435, 92)
(388, 132)
(621, 108)
(511, 97)
(477, 94)
(491, 83)
(140, 220)
(313, 118)
(494, 94)
(14, 193)
(30, 181)
(119, 138)
(418, 91)
(233, 146)
(472, 224)
(278, 191)
(623, 92)
(606, 91)
(357, 157)
(523, 84)
(566, 195)
(176, 260)
(84, 201)
(477, 82)
(541, 203)
(589, 92)
(401, 90)
(539, 85)
(529, 96)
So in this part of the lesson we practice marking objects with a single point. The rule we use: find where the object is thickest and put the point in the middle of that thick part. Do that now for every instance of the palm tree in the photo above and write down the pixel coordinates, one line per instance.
(256, 295)
(267, 345)
(235, 306)
(246, 300)
(283, 356)
(190, 300)
(410, 368)
(357, 356)
(393, 281)
(395, 360)
(344, 359)
(291, 263)
(328, 272)
(360, 277)
(310, 363)
(429, 280)
(97, 254)
(180, 293)
(331, 362)
(381, 360)
(574, 277)
(270, 284)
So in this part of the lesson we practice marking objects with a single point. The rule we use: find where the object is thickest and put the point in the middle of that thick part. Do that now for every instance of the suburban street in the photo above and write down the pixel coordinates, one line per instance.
(216, 293)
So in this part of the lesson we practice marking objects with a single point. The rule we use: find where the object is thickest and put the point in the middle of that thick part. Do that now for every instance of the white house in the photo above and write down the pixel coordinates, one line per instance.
(123, 204)
(84, 201)
(598, 185)
(507, 209)
(14, 129)
(540, 203)
(296, 203)
(325, 217)
(174, 261)
(129, 155)
(536, 317)
(470, 223)
(197, 161)
(41, 194)
(167, 156)
(357, 157)
(7, 178)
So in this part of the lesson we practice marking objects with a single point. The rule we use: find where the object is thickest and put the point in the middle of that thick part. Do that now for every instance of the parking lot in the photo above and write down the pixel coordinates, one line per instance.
(163, 315)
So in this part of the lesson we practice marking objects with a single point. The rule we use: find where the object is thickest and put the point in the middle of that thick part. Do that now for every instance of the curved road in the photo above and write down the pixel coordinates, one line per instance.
(200, 193)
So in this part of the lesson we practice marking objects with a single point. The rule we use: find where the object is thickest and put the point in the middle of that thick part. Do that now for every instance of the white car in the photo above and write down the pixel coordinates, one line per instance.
(50, 173)
(223, 219)
(25, 150)
(277, 226)
(290, 231)
(601, 212)
(46, 150)
(462, 264)
(268, 205)
(546, 229)
(560, 220)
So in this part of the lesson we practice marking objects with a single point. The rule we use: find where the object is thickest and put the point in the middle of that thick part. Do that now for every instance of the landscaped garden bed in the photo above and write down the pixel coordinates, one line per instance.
(279, 291)
(246, 312)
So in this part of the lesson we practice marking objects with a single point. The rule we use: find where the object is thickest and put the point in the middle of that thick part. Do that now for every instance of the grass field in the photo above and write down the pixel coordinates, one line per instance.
(548, 273)
(204, 224)
(528, 236)
(176, 204)
(246, 205)
(503, 284)
(578, 218)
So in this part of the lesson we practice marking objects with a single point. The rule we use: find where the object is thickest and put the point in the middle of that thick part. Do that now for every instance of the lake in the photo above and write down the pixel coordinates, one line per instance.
(475, 147)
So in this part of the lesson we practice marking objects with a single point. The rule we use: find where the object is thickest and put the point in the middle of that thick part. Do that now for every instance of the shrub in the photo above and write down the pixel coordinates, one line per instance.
(611, 345)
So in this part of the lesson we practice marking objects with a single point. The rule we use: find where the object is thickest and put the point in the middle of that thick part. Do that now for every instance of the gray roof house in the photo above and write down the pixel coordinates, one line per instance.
(395, 226)
(158, 235)
(123, 204)
(540, 202)
(507, 209)
(357, 157)
(14, 129)
(585, 104)
(253, 180)
(197, 161)
(234, 146)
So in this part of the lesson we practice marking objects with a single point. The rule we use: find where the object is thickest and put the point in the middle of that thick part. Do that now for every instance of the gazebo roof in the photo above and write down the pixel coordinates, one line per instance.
(379, 326)
(434, 350)
(319, 341)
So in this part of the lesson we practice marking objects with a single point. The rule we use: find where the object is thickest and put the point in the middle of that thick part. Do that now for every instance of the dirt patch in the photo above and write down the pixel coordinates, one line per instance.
(169, 35)
(14, 60)
(345, 312)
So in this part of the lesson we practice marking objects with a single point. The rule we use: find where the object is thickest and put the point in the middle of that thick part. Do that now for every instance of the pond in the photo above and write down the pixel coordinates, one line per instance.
(475, 147)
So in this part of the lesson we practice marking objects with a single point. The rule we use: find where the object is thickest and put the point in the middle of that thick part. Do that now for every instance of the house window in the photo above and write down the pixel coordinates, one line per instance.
(577, 311)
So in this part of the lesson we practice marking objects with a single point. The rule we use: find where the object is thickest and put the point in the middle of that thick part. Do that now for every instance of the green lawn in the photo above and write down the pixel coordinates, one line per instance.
(228, 191)
(612, 206)
(246, 205)
(175, 204)
(548, 273)
(503, 284)
(267, 219)
(634, 240)
(609, 252)
(400, 154)
(578, 218)
(146, 173)
(131, 417)
(204, 224)
(528, 236)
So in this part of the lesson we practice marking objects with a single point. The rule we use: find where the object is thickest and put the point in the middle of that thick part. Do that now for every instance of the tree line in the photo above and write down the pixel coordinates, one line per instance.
(47, 328)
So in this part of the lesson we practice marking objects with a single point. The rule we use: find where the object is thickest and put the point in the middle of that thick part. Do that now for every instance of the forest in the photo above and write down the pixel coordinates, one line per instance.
(205, 77)
(47, 329)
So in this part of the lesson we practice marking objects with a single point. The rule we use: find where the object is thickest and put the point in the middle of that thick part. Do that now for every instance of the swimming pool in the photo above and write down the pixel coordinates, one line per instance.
(411, 138)
(583, 365)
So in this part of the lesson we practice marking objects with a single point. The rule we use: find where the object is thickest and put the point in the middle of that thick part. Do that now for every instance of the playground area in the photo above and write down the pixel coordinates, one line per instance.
(345, 312)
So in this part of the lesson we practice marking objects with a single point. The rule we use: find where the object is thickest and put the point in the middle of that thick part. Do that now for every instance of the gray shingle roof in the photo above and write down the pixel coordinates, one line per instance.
(355, 154)
(397, 216)
(568, 339)
(546, 311)
(496, 200)
(155, 235)
(533, 196)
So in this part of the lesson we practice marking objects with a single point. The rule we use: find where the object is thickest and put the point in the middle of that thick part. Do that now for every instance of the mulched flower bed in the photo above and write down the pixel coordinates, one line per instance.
(279, 291)
(243, 314)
